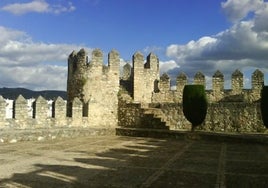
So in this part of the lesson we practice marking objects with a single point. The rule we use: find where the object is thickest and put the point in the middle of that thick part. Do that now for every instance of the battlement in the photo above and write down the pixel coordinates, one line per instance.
(218, 92)
(81, 71)
(143, 76)
(152, 61)
(237, 80)
(78, 62)
(144, 83)
(39, 113)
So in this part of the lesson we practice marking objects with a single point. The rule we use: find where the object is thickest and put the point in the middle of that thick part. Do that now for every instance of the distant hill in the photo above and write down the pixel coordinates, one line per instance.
(13, 93)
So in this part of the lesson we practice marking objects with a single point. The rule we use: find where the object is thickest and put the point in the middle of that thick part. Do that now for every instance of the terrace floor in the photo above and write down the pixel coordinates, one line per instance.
(114, 161)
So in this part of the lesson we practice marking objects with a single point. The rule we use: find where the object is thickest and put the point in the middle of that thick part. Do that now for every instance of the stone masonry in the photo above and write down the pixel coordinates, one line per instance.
(99, 98)
(229, 110)
(96, 85)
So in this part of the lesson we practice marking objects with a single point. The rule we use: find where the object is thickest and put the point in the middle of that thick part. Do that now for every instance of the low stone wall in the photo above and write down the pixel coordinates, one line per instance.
(37, 120)
(130, 115)
(221, 117)
(38, 113)
(173, 115)
(39, 134)
(234, 117)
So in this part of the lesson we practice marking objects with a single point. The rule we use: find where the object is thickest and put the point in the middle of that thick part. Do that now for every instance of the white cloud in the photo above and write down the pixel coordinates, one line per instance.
(38, 6)
(166, 66)
(261, 17)
(25, 63)
(57, 9)
(29, 53)
(39, 77)
(153, 49)
(236, 10)
(243, 45)
(9, 34)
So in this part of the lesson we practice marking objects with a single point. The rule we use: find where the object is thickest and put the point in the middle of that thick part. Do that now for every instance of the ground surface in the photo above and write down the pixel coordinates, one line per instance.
(110, 161)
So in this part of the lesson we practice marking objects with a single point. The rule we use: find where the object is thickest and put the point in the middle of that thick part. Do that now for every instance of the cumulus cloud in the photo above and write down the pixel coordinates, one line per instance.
(25, 63)
(154, 49)
(243, 45)
(39, 77)
(166, 66)
(236, 10)
(261, 16)
(38, 6)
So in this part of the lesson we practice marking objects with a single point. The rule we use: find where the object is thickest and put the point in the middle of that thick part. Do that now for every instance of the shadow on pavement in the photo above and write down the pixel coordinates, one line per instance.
(155, 163)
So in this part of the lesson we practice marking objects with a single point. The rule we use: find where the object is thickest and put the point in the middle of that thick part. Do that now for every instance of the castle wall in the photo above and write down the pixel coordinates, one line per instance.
(229, 110)
(129, 115)
(96, 85)
(221, 117)
(217, 93)
(38, 115)
(94, 99)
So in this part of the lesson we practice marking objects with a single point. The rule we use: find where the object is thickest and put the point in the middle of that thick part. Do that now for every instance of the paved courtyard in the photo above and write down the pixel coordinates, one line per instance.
(113, 161)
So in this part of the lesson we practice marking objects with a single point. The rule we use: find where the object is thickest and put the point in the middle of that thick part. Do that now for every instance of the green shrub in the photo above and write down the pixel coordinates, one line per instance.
(264, 105)
(194, 103)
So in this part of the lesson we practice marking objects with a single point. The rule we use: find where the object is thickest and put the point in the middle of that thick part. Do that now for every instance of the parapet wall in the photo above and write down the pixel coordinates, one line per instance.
(145, 85)
(41, 114)
(217, 94)
(221, 117)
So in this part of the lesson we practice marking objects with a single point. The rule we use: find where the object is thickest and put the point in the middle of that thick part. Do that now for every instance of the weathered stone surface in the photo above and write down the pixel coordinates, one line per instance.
(199, 78)
(40, 108)
(2, 110)
(97, 87)
(235, 110)
(237, 82)
(144, 77)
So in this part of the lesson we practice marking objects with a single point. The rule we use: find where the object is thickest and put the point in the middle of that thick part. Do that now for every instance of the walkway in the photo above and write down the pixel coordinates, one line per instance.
(111, 161)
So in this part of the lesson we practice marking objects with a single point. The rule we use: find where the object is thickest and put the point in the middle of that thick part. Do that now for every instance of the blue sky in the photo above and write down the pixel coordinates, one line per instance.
(188, 35)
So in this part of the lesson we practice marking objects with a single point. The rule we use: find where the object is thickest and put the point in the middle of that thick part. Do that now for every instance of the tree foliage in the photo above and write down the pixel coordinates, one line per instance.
(264, 105)
(194, 104)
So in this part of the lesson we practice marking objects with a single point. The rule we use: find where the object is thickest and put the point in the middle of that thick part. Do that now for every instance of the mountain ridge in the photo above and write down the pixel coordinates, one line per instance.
(13, 93)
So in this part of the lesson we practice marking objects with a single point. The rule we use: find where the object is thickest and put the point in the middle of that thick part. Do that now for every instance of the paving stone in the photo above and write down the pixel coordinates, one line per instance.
(111, 161)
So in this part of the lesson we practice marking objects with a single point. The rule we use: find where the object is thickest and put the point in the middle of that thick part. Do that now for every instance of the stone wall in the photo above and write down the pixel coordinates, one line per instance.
(129, 114)
(39, 115)
(221, 117)
(229, 110)
(234, 117)
(217, 93)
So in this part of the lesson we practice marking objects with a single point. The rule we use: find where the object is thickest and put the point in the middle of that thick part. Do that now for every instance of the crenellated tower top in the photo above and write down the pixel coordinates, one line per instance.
(142, 79)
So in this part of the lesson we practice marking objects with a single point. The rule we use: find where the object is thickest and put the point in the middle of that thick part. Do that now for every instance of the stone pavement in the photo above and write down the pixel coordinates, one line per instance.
(113, 161)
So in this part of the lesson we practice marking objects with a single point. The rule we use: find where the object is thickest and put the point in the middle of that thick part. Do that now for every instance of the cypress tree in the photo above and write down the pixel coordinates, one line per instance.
(264, 105)
(194, 104)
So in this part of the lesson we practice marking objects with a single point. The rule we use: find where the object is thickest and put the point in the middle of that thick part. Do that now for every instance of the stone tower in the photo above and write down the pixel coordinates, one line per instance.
(144, 77)
(96, 85)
